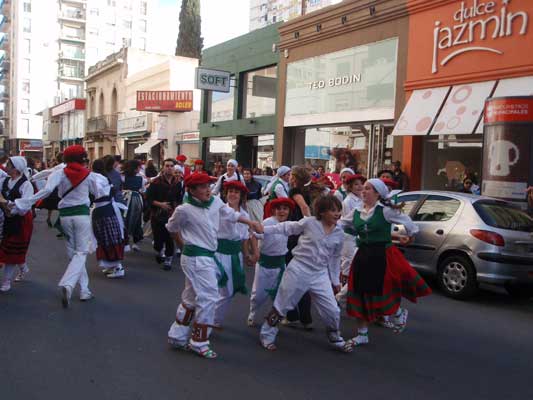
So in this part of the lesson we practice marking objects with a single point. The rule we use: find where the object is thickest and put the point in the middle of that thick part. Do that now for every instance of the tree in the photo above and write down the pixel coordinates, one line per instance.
(190, 41)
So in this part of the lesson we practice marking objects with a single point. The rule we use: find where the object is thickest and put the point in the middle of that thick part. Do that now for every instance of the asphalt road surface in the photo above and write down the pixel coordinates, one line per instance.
(114, 347)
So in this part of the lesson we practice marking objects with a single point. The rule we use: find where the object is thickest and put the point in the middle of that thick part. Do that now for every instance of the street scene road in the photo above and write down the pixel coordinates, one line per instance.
(114, 347)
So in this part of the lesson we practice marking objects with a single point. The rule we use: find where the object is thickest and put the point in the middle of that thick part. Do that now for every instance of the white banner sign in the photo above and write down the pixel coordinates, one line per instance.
(212, 79)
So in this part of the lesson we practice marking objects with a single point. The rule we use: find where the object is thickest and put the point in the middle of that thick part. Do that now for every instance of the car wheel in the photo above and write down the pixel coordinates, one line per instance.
(457, 277)
(521, 292)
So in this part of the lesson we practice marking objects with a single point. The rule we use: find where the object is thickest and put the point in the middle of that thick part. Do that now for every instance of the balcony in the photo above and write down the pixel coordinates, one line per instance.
(79, 2)
(102, 126)
(3, 114)
(4, 66)
(72, 36)
(5, 7)
(5, 24)
(72, 15)
(71, 55)
(4, 43)
(71, 73)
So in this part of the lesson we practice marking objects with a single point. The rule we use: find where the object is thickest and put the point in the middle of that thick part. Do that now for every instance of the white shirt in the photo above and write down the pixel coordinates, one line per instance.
(282, 190)
(273, 244)
(47, 172)
(26, 191)
(233, 231)
(218, 186)
(199, 226)
(350, 203)
(95, 184)
(338, 193)
(391, 215)
(315, 249)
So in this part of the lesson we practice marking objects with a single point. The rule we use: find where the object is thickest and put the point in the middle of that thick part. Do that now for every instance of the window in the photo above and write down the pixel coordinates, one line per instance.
(409, 201)
(143, 8)
(260, 92)
(142, 25)
(111, 3)
(222, 104)
(27, 6)
(126, 24)
(25, 106)
(27, 46)
(437, 208)
(25, 128)
(503, 216)
(94, 12)
(142, 43)
(26, 25)
(26, 66)
(26, 87)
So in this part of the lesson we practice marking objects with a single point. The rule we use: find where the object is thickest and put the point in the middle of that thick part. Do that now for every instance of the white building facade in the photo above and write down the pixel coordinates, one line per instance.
(266, 12)
(49, 45)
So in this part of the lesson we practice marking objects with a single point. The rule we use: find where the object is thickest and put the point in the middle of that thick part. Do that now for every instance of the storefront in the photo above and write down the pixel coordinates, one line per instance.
(134, 131)
(341, 74)
(460, 54)
(71, 116)
(188, 143)
(241, 123)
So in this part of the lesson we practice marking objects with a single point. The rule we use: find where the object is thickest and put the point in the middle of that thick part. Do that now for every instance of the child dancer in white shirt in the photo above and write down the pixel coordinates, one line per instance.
(315, 268)
(195, 225)
(271, 265)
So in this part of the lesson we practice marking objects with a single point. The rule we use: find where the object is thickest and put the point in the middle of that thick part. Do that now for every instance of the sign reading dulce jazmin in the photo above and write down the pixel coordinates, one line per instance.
(164, 100)
(477, 27)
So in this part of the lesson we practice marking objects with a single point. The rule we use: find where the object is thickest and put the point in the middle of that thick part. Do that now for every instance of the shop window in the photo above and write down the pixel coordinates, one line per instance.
(219, 151)
(260, 92)
(447, 160)
(222, 104)
(437, 209)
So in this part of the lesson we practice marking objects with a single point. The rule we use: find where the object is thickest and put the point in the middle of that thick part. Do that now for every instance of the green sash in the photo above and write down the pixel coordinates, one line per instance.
(190, 250)
(233, 249)
(273, 262)
(70, 212)
(202, 204)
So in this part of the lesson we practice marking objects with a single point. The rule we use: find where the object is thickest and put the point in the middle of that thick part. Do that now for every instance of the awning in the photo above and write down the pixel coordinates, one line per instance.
(147, 146)
(456, 110)
(420, 111)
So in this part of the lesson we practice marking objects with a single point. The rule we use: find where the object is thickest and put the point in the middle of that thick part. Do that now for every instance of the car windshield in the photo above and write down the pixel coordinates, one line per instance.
(504, 216)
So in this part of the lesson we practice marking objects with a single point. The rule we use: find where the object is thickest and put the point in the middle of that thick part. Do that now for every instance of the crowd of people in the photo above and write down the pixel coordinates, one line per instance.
(312, 242)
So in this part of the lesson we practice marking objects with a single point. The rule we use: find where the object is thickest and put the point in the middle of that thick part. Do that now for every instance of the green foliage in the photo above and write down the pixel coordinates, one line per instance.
(190, 41)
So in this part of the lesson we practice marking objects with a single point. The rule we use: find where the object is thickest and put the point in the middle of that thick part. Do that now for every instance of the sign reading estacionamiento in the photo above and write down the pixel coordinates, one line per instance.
(213, 79)
(164, 100)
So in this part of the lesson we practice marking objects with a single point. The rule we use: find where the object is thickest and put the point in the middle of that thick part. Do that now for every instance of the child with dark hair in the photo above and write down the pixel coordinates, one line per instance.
(314, 268)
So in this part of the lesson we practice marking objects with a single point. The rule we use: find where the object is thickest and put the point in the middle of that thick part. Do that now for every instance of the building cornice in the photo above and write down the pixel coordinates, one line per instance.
(346, 17)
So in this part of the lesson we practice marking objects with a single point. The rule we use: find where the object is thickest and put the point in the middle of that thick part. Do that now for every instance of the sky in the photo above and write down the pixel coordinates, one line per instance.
(221, 20)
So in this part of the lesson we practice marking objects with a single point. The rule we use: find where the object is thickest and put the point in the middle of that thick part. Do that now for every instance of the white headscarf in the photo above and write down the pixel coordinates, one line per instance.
(283, 170)
(380, 187)
(179, 168)
(20, 164)
(347, 170)
(233, 162)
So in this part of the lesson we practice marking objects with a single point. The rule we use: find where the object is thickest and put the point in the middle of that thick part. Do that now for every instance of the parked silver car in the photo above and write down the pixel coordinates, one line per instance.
(465, 240)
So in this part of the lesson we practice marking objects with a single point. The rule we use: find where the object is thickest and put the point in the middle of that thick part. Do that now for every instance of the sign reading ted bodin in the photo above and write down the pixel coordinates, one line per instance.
(458, 38)
(164, 100)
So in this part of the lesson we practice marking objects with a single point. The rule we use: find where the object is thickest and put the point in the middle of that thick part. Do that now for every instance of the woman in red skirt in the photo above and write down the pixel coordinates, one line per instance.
(18, 224)
(380, 275)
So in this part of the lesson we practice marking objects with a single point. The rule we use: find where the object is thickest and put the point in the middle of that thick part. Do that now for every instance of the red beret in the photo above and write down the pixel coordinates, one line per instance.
(354, 177)
(197, 179)
(198, 162)
(74, 150)
(283, 201)
(389, 182)
(181, 158)
(236, 185)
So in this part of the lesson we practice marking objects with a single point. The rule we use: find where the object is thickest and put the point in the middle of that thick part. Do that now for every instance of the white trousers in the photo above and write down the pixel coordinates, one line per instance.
(200, 294)
(9, 272)
(297, 280)
(349, 249)
(226, 292)
(265, 279)
(78, 229)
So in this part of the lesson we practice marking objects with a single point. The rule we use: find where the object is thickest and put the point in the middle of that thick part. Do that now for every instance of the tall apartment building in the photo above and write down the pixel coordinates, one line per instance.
(266, 12)
(48, 47)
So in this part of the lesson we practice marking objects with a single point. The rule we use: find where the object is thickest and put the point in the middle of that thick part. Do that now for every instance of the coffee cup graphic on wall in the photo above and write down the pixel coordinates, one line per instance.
(503, 154)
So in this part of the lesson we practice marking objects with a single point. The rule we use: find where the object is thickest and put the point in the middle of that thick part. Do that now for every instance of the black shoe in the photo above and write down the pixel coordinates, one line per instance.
(159, 259)
(167, 267)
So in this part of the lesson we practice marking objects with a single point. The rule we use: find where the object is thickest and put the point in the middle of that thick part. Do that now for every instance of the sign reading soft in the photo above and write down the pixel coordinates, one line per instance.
(164, 100)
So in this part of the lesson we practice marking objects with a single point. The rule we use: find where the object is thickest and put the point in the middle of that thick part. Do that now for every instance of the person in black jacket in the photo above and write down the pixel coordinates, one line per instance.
(164, 194)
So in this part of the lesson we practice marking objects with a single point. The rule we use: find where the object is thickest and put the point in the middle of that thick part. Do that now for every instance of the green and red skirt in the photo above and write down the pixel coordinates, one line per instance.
(375, 290)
